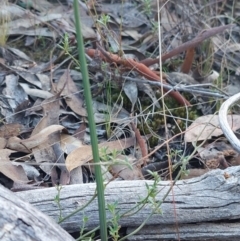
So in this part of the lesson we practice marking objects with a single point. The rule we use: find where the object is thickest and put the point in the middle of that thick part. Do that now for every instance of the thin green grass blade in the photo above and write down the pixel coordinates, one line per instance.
(92, 126)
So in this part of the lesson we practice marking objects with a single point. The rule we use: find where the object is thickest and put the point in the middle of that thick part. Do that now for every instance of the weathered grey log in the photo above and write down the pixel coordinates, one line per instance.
(198, 231)
(21, 221)
(213, 197)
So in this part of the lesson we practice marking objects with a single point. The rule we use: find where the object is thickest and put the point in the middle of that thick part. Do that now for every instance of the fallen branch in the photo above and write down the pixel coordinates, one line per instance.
(140, 68)
(211, 199)
(141, 142)
(203, 35)
(21, 221)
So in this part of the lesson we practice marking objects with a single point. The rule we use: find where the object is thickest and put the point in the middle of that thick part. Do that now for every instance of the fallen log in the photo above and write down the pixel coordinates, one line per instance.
(21, 221)
(198, 231)
(211, 200)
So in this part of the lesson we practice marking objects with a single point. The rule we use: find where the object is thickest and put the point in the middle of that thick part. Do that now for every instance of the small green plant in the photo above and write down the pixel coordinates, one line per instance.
(104, 19)
(114, 227)
(175, 154)
(155, 27)
(206, 60)
(42, 41)
(85, 220)
(147, 7)
(184, 171)
(57, 201)
(106, 155)
(108, 93)
(110, 157)
(67, 48)
(152, 193)
(84, 237)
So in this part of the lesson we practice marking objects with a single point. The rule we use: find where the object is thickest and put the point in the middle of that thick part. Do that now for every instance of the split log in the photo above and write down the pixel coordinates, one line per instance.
(21, 221)
(196, 209)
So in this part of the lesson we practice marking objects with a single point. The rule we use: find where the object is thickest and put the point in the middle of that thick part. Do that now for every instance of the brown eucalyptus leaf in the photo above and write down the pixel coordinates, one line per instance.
(86, 22)
(84, 153)
(80, 132)
(9, 130)
(45, 81)
(76, 104)
(76, 176)
(131, 91)
(51, 108)
(49, 152)
(169, 20)
(194, 173)
(125, 168)
(150, 92)
(19, 54)
(29, 77)
(41, 137)
(69, 143)
(14, 90)
(11, 11)
(15, 173)
(15, 143)
(41, 6)
(45, 156)
(60, 159)
(127, 15)
(3, 143)
(30, 20)
(70, 93)
(206, 127)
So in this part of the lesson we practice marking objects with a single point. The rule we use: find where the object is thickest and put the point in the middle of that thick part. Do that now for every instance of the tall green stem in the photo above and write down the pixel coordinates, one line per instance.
(92, 126)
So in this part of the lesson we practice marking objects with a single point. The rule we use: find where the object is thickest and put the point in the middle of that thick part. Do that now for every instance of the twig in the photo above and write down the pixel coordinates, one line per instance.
(203, 35)
(140, 68)
(188, 88)
(140, 141)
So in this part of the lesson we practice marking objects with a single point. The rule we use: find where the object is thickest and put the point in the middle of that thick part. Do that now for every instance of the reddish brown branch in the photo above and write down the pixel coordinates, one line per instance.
(187, 63)
(140, 68)
(203, 35)
(141, 142)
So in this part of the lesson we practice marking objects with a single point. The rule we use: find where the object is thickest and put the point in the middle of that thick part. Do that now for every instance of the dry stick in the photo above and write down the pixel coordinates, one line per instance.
(146, 72)
(140, 68)
(141, 142)
(187, 63)
(203, 35)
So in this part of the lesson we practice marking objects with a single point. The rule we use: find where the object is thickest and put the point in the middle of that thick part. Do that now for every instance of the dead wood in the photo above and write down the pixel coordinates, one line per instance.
(203, 35)
(21, 221)
(205, 207)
